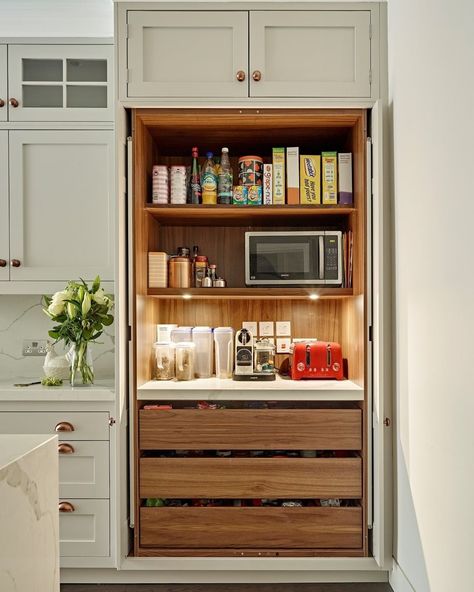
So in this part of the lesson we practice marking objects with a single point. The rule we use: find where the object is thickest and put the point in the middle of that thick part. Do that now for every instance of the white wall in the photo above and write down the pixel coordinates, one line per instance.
(431, 69)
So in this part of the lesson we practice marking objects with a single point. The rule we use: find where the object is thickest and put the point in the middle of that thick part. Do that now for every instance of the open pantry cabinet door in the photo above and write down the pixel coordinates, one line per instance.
(381, 317)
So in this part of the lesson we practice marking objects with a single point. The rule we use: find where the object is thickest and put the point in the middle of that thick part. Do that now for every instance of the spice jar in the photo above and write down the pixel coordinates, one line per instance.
(200, 270)
(164, 357)
(185, 360)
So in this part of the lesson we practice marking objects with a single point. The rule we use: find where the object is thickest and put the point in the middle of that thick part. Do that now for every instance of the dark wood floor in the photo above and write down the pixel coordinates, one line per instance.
(226, 588)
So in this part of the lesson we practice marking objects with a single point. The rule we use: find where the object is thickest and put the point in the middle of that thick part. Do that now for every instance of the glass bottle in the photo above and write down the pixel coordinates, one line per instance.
(209, 180)
(195, 193)
(224, 186)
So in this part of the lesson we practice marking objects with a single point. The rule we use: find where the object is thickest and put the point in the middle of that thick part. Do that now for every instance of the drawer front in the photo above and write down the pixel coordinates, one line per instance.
(84, 469)
(251, 429)
(277, 528)
(283, 478)
(84, 532)
(86, 426)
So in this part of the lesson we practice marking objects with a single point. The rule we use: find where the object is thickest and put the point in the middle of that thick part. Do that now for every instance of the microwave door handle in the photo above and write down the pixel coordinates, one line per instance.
(321, 257)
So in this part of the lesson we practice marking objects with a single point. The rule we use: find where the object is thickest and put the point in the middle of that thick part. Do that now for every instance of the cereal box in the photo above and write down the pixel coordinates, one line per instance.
(310, 179)
(267, 184)
(254, 195)
(345, 177)
(329, 177)
(292, 175)
(239, 195)
(278, 176)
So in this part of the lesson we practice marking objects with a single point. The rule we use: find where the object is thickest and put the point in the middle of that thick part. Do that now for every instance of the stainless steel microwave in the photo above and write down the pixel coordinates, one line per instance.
(296, 258)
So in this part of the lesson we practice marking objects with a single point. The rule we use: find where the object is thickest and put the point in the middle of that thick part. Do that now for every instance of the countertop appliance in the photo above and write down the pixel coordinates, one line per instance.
(321, 359)
(293, 258)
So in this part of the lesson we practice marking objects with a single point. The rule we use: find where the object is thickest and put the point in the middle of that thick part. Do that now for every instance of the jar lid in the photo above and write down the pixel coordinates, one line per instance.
(202, 330)
(185, 345)
(201, 258)
(242, 158)
(164, 343)
(223, 330)
(181, 330)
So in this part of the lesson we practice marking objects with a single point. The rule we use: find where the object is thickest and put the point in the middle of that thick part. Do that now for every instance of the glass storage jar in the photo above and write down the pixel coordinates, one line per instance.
(185, 360)
(264, 357)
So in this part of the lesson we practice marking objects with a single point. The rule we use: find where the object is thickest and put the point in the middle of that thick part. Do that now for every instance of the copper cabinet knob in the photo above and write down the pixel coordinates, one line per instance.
(2, 103)
(3, 263)
(14, 102)
(66, 507)
(65, 448)
(15, 262)
(240, 75)
(257, 75)
(64, 426)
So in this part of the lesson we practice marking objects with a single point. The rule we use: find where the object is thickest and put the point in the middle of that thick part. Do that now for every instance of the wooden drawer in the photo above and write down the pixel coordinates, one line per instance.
(213, 528)
(251, 429)
(84, 532)
(284, 478)
(84, 469)
(86, 426)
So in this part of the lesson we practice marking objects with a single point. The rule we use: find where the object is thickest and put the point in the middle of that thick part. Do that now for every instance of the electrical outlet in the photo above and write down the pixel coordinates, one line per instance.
(35, 347)
(283, 328)
(283, 345)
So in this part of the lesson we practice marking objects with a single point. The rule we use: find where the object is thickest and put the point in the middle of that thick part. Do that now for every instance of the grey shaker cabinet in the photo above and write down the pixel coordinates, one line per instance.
(3, 83)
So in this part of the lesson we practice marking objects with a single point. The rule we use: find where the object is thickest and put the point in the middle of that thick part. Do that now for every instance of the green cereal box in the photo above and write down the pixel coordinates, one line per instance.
(279, 178)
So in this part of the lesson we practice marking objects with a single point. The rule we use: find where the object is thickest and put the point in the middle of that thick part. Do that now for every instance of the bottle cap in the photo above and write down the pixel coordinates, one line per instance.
(201, 258)
(195, 151)
(213, 266)
(209, 154)
(225, 150)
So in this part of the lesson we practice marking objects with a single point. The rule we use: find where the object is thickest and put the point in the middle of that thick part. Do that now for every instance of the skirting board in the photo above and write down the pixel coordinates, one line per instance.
(398, 580)
(112, 576)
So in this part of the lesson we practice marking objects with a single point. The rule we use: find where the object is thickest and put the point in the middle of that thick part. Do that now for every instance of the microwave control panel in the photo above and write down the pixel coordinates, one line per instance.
(331, 258)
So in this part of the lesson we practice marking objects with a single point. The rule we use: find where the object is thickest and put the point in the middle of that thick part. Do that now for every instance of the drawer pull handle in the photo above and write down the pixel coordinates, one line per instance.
(64, 426)
(65, 448)
(66, 507)
(240, 75)
(3, 263)
(257, 75)
(14, 102)
(2, 103)
(15, 262)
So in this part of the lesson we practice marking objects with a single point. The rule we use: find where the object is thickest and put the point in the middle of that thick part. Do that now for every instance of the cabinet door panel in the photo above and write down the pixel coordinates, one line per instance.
(46, 80)
(84, 470)
(61, 204)
(88, 425)
(187, 54)
(4, 226)
(3, 83)
(84, 532)
(313, 53)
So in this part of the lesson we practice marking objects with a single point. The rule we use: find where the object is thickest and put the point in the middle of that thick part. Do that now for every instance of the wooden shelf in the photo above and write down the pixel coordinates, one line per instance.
(250, 293)
(282, 389)
(210, 215)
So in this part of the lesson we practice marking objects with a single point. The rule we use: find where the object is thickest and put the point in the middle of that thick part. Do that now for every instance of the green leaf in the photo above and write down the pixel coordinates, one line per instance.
(94, 337)
(95, 285)
(108, 320)
(54, 334)
(46, 300)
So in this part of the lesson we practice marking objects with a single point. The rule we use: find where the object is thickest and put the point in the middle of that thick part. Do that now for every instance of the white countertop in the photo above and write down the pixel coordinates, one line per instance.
(13, 447)
(228, 389)
(101, 390)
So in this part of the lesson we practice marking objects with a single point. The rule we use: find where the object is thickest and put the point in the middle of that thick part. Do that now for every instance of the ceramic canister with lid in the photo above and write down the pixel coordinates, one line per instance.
(204, 355)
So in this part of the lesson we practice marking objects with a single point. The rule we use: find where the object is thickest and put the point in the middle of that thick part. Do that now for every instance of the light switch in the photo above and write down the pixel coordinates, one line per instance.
(250, 326)
(283, 345)
(265, 329)
(283, 328)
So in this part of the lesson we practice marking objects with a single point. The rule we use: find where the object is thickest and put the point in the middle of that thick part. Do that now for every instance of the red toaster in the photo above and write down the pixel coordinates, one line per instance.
(319, 359)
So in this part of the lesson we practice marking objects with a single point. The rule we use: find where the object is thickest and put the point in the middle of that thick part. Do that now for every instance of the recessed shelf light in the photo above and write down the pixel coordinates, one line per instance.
(314, 296)
(187, 296)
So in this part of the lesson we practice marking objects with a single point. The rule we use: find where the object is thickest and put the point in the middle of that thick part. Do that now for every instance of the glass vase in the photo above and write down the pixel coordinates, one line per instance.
(80, 358)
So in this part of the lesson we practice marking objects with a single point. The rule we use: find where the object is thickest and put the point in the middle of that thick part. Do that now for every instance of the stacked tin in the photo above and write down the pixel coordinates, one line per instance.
(160, 192)
(178, 184)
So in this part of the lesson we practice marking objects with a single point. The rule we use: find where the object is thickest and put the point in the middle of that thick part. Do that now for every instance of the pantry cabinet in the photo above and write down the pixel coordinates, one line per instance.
(310, 53)
(181, 54)
(3, 83)
(324, 53)
(60, 83)
(61, 204)
(4, 222)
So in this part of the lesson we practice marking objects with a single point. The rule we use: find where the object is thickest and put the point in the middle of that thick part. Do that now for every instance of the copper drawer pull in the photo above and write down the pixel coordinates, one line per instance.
(2, 103)
(66, 507)
(15, 262)
(240, 75)
(65, 448)
(13, 102)
(3, 263)
(64, 426)
(257, 75)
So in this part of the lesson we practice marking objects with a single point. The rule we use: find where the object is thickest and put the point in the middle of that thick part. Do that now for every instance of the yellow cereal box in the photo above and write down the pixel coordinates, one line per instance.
(329, 177)
(310, 179)
(279, 176)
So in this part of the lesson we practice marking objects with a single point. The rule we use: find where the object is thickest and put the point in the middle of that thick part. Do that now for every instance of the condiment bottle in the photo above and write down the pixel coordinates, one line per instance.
(209, 180)
(224, 185)
(195, 192)
(200, 270)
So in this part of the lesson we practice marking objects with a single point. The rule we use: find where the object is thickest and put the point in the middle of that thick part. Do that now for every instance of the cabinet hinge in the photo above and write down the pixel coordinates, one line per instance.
(127, 75)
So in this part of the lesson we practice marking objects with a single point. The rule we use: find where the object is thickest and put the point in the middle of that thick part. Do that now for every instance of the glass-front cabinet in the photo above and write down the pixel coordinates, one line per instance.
(60, 83)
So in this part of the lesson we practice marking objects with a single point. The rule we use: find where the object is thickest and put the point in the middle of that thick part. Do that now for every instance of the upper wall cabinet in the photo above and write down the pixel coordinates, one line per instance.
(187, 54)
(317, 53)
(237, 54)
(3, 83)
(60, 83)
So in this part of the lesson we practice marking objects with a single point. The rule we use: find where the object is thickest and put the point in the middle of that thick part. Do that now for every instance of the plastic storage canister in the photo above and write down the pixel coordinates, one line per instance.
(165, 358)
(223, 339)
(181, 334)
(163, 332)
(204, 358)
(185, 360)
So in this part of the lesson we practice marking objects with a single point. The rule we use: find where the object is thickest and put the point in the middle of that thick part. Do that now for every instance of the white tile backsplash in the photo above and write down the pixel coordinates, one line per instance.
(22, 317)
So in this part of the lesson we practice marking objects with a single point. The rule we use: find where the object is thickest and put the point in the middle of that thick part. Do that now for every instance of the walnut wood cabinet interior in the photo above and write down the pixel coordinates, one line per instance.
(165, 136)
